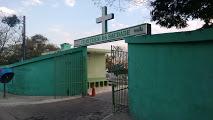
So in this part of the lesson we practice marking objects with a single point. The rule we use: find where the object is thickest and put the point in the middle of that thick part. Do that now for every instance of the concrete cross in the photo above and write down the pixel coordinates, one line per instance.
(105, 17)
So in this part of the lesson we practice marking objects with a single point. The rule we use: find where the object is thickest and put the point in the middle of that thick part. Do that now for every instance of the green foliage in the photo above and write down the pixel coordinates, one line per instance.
(119, 5)
(108, 61)
(115, 62)
(38, 38)
(10, 35)
(169, 13)
(118, 69)
(11, 20)
(11, 41)
(34, 48)
(37, 44)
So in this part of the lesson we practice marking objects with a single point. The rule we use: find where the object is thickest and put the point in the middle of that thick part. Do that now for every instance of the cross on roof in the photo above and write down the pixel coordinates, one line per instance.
(104, 18)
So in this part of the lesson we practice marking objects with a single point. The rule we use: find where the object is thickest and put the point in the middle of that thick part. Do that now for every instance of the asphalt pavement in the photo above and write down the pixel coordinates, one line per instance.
(68, 108)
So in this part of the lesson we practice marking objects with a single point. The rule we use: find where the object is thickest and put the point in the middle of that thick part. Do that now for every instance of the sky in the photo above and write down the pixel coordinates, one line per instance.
(63, 21)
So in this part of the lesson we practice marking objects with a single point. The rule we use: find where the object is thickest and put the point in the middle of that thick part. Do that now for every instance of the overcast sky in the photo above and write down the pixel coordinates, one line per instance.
(67, 20)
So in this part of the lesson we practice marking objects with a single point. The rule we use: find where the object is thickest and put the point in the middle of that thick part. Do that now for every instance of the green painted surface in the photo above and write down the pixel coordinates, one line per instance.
(66, 46)
(197, 35)
(33, 79)
(171, 80)
(59, 74)
(69, 75)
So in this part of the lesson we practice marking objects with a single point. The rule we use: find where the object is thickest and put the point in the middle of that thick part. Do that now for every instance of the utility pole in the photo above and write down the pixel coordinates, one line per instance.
(24, 40)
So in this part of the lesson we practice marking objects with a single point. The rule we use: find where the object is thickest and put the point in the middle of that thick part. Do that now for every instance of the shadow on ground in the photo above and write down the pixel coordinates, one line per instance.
(77, 109)
(47, 108)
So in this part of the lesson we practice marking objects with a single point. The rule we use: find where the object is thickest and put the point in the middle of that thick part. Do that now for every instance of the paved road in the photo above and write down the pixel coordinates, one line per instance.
(45, 108)
(77, 109)
(118, 116)
(106, 96)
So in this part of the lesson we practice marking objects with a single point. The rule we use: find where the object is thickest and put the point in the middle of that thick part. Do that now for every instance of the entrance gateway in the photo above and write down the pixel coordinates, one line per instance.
(119, 58)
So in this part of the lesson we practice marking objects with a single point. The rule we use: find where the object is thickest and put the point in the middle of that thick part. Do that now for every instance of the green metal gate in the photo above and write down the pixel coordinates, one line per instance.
(71, 74)
(119, 68)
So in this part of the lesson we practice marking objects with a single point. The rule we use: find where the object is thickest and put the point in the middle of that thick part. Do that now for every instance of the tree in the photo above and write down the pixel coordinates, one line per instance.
(169, 13)
(172, 13)
(11, 41)
(108, 61)
(38, 38)
(120, 5)
(10, 34)
(11, 54)
(36, 45)
(116, 62)
(11, 21)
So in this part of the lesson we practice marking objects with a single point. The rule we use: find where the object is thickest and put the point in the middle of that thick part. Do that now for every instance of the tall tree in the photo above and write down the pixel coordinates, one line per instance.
(38, 38)
(10, 33)
(11, 21)
(120, 5)
(36, 45)
(172, 13)
(169, 13)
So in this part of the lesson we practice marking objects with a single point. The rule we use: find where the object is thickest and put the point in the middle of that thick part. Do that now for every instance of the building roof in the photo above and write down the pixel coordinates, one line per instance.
(97, 51)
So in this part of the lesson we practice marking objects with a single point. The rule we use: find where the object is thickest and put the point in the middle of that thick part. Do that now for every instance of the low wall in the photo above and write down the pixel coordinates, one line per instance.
(63, 73)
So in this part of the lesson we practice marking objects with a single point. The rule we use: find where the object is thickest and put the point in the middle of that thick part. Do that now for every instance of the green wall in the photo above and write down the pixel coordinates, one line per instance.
(33, 79)
(63, 73)
(171, 76)
(96, 67)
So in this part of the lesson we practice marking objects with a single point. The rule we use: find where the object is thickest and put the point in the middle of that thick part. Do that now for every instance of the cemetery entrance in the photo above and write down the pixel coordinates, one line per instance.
(119, 66)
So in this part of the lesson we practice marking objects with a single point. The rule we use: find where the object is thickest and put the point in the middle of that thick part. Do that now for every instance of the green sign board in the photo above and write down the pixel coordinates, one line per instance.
(143, 29)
